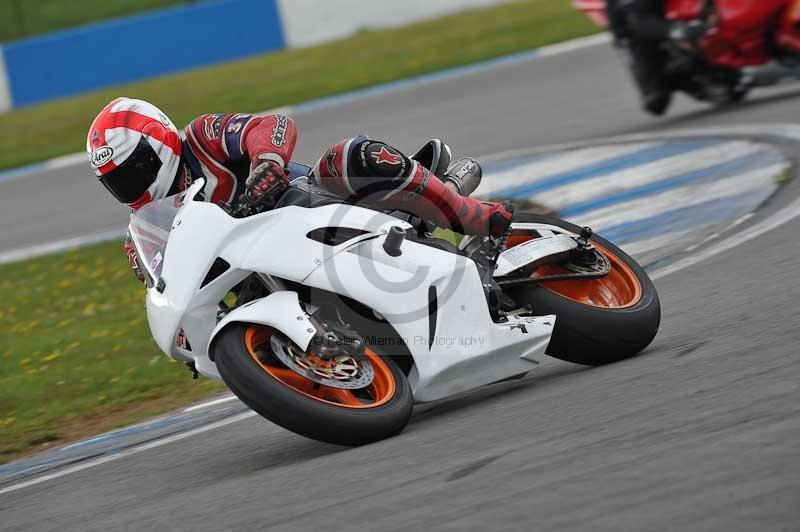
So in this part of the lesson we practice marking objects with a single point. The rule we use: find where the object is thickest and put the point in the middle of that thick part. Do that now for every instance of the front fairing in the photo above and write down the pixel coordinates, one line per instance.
(275, 242)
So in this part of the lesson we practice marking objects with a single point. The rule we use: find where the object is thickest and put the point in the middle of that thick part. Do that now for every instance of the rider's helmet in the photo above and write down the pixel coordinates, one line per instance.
(135, 150)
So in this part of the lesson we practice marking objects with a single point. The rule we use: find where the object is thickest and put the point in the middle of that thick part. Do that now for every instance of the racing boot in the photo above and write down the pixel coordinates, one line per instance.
(425, 195)
(434, 155)
(464, 175)
(376, 173)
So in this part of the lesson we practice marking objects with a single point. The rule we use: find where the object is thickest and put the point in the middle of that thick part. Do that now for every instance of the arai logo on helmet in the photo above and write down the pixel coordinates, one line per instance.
(101, 156)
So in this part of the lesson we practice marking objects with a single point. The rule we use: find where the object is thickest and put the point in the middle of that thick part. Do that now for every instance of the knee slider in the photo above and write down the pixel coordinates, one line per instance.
(377, 159)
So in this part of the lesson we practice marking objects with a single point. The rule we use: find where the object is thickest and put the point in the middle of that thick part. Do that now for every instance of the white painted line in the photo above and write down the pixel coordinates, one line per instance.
(785, 215)
(210, 403)
(64, 161)
(714, 236)
(684, 197)
(574, 45)
(528, 173)
(128, 452)
(38, 250)
(641, 175)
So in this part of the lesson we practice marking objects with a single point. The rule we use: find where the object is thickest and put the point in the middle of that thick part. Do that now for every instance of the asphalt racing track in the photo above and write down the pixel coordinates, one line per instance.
(699, 433)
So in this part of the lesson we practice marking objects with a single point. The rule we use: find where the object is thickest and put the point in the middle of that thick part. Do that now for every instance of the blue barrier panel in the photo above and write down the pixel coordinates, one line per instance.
(129, 49)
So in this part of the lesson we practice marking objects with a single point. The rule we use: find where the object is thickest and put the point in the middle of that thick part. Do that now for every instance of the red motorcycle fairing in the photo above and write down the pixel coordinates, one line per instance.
(740, 36)
(743, 27)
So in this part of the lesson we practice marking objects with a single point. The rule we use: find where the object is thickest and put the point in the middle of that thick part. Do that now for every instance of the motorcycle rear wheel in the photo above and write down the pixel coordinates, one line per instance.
(287, 398)
(598, 321)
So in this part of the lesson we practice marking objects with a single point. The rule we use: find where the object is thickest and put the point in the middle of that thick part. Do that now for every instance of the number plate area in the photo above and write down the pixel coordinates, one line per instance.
(538, 250)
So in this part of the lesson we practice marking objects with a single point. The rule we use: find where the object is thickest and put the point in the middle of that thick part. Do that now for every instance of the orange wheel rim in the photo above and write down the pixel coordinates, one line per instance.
(619, 289)
(377, 393)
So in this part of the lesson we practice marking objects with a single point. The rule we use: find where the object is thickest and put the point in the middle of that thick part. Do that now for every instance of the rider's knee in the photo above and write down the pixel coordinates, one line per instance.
(359, 164)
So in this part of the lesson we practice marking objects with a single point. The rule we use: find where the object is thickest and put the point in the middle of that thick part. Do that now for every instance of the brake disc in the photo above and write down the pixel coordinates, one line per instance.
(348, 372)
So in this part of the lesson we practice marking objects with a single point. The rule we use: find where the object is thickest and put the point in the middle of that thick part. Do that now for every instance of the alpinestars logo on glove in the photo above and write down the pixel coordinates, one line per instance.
(386, 157)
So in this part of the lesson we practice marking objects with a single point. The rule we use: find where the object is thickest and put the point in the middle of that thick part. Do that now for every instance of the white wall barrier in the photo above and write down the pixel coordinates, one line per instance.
(308, 22)
(5, 91)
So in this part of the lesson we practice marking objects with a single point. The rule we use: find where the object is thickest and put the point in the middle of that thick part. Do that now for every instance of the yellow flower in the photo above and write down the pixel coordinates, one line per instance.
(64, 323)
(114, 379)
(8, 421)
(102, 398)
(74, 345)
(51, 357)
(25, 361)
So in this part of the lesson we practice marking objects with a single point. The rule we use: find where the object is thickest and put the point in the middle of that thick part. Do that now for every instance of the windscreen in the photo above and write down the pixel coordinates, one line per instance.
(150, 227)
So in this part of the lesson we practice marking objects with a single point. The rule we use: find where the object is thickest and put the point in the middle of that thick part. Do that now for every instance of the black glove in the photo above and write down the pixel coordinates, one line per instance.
(264, 186)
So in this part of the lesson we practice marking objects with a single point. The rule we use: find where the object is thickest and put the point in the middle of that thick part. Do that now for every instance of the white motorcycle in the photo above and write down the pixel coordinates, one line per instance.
(332, 320)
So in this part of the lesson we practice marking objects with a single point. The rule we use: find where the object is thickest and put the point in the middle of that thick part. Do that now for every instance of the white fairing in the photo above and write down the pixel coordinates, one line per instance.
(423, 290)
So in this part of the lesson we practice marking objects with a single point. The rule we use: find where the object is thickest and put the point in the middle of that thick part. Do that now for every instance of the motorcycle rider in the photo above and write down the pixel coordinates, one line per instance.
(639, 27)
(139, 156)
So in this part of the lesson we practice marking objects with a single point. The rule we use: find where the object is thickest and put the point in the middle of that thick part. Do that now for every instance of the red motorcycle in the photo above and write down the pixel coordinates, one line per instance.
(751, 43)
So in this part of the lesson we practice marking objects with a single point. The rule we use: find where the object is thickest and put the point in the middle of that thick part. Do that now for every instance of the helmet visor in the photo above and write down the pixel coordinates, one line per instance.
(130, 180)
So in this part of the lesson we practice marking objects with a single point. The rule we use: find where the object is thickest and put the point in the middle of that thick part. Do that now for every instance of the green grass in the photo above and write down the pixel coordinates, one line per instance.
(287, 77)
(76, 355)
(25, 18)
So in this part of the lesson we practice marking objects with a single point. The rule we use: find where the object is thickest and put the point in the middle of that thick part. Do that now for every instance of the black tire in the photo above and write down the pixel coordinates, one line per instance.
(592, 335)
(299, 413)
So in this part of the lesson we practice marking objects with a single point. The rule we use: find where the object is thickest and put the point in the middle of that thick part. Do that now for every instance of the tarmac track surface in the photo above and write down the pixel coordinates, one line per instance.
(698, 433)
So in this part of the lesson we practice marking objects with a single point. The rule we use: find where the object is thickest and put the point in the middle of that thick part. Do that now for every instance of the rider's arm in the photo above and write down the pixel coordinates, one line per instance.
(271, 137)
(229, 138)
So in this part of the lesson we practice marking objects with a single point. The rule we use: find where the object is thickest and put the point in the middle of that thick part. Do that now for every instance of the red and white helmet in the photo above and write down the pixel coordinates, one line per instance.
(135, 150)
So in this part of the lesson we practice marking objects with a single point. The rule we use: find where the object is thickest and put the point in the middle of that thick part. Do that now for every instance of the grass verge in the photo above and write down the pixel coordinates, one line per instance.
(277, 79)
(25, 18)
(76, 355)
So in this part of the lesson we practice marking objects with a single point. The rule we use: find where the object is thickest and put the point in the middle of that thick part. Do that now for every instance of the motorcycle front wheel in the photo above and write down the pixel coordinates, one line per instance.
(284, 396)
(600, 320)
